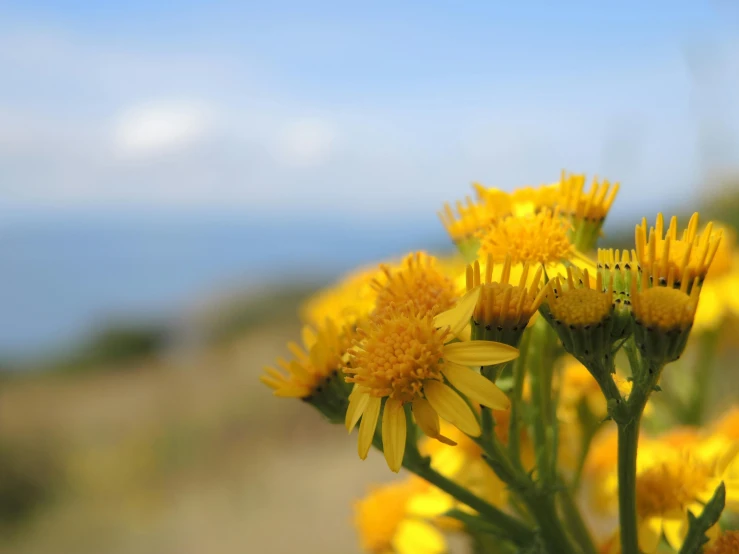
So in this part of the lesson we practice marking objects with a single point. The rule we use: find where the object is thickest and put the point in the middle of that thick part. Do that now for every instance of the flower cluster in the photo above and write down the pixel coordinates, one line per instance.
(525, 433)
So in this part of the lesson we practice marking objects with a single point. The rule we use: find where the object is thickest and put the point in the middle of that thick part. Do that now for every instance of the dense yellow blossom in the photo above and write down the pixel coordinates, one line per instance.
(405, 358)
(419, 281)
(319, 360)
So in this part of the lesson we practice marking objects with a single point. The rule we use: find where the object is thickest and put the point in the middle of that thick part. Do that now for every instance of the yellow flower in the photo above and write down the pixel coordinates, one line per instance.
(718, 293)
(539, 238)
(593, 205)
(348, 301)
(662, 253)
(388, 521)
(318, 361)
(725, 543)
(406, 359)
(419, 281)
(469, 218)
(664, 494)
(508, 297)
(663, 315)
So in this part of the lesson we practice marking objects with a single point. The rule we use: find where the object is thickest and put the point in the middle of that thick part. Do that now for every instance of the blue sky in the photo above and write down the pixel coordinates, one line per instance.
(273, 109)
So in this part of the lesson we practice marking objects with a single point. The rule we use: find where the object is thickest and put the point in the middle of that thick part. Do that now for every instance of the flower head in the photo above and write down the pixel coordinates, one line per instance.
(405, 358)
(688, 257)
(419, 281)
(539, 238)
(508, 298)
(580, 310)
(387, 524)
(319, 360)
(726, 543)
(665, 492)
(592, 205)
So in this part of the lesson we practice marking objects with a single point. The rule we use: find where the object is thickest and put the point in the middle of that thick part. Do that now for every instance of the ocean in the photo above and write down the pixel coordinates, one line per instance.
(65, 275)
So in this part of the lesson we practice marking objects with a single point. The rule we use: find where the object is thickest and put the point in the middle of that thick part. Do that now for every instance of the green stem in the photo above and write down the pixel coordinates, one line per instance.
(701, 384)
(519, 375)
(575, 523)
(628, 439)
(518, 532)
(543, 509)
(540, 374)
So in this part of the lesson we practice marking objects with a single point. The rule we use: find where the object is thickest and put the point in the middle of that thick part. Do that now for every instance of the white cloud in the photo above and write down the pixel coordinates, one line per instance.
(161, 127)
(306, 142)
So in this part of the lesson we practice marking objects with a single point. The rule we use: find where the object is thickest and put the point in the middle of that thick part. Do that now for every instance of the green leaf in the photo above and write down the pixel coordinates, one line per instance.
(696, 537)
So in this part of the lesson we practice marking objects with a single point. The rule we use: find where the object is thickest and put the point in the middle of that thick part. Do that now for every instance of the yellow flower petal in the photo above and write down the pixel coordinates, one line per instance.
(479, 353)
(428, 420)
(357, 403)
(449, 405)
(475, 387)
(650, 533)
(676, 529)
(459, 315)
(393, 433)
(369, 423)
(418, 537)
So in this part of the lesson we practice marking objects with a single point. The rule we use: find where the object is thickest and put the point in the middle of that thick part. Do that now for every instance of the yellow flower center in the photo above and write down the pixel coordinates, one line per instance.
(418, 282)
(727, 543)
(536, 238)
(581, 307)
(664, 307)
(671, 486)
(397, 354)
(378, 515)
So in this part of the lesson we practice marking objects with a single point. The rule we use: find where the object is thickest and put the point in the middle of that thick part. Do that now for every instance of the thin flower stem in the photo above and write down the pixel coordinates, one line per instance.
(575, 522)
(628, 438)
(514, 424)
(518, 531)
(694, 413)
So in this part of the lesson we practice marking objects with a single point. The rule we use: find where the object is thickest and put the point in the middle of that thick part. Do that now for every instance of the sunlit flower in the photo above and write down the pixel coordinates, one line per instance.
(418, 281)
(388, 519)
(688, 256)
(406, 358)
(467, 220)
(319, 360)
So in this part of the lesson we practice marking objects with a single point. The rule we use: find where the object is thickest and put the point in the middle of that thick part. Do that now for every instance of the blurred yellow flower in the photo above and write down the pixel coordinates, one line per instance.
(395, 519)
(687, 258)
(725, 543)
(420, 281)
(346, 302)
(538, 238)
(319, 360)
(718, 293)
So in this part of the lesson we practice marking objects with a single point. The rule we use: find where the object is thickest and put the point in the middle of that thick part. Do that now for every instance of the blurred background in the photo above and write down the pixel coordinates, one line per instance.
(175, 180)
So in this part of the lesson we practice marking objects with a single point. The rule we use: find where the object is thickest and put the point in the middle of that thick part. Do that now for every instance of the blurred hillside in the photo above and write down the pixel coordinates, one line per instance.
(157, 456)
